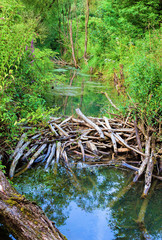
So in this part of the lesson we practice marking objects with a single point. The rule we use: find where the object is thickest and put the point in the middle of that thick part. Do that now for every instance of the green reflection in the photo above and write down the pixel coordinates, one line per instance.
(79, 90)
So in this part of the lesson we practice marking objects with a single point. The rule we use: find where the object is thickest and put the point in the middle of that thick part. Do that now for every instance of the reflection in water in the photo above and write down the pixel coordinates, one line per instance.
(79, 90)
(81, 209)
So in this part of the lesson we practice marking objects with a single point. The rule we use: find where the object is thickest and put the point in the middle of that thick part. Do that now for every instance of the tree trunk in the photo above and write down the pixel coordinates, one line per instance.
(22, 218)
(72, 45)
(86, 29)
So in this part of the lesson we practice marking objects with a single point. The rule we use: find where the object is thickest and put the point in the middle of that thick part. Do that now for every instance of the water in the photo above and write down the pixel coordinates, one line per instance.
(80, 206)
(79, 90)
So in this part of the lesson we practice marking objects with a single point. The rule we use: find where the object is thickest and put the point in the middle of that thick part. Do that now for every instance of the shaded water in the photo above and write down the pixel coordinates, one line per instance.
(80, 206)
(79, 90)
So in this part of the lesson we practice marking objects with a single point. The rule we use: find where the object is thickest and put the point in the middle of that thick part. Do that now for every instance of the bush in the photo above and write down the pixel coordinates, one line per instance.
(145, 87)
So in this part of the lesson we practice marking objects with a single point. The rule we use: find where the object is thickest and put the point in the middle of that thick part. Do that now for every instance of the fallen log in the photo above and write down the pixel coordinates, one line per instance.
(24, 219)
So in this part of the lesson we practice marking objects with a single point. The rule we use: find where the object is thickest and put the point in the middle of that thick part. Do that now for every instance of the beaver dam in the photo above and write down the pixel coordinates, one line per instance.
(91, 142)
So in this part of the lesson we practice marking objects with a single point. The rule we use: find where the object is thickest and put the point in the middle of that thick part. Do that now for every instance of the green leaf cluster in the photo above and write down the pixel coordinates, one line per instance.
(25, 70)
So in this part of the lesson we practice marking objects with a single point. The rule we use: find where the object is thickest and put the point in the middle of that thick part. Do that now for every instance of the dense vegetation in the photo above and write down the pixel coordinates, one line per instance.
(100, 34)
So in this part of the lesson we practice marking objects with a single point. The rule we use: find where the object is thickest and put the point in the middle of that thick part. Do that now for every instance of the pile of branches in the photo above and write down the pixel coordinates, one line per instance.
(93, 141)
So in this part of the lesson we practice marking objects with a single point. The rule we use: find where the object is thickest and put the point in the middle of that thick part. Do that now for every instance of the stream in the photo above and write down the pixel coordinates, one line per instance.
(79, 204)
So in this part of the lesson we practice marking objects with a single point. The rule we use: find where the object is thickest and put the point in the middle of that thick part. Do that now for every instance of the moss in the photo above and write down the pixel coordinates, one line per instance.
(11, 202)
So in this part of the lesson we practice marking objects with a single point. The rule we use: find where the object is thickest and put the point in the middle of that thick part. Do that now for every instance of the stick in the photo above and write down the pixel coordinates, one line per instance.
(80, 114)
(137, 136)
(82, 149)
(112, 134)
(61, 130)
(66, 120)
(111, 101)
(126, 145)
(53, 130)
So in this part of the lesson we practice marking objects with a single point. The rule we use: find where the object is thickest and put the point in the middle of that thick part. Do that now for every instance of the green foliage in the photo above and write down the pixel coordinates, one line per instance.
(145, 88)
(2, 167)
(25, 70)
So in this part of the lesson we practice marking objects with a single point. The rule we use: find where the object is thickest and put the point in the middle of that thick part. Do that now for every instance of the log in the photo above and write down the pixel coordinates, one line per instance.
(148, 175)
(19, 145)
(22, 218)
(52, 153)
(92, 124)
(16, 159)
(65, 121)
(58, 151)
(144, 163)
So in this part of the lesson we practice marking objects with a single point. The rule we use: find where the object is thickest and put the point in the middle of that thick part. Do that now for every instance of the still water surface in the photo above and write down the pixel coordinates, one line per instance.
(80, 90)
(80, 205)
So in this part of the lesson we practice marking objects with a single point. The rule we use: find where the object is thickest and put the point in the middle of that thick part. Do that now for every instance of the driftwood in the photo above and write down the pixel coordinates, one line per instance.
(91, 140)
(24, 219)
(92, 124)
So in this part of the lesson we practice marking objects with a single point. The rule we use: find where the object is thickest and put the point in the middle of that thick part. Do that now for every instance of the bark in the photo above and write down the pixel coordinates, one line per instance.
(22, 218)
(86, 29)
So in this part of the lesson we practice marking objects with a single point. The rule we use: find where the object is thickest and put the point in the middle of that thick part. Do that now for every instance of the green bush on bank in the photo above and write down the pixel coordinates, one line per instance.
(24, 69)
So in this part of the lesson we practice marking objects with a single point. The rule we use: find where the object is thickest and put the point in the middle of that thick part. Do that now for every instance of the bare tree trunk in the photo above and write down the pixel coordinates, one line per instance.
(24, 219)
(66, 99)
(86, 29)
(72, 45)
